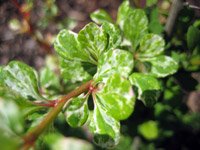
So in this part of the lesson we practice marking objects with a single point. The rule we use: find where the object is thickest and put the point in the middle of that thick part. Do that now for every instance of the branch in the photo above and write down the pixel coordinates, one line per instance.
(32, 136)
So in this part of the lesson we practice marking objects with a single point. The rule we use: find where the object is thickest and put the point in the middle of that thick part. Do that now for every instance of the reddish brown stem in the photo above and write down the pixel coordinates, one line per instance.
(32, 136)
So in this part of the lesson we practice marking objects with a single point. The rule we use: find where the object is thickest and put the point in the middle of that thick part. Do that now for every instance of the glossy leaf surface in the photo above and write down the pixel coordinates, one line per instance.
(114, 61)
(67, 46)
(147, 87)
(114, 35)
(117, 96)
(163, 66)
(77, 111)
(100, 16)
(21, 80)
(93, 41)
(105, 128)
(151, 45)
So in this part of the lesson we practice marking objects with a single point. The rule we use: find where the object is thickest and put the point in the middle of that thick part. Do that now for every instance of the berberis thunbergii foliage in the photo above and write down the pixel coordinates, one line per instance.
(125, 62)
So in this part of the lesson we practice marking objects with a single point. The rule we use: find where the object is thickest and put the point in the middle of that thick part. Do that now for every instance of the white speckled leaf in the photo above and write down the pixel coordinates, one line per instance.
(100, 16)
(117, 96)
(163, 66)
(77, 111)
(147, 87)
(21, 80)
(73, 71)
(123, 13)
(67, 46)
(135, 26)
(114, 61)
(151, 45)
(105, 128)
(93, 40)
(113, 33)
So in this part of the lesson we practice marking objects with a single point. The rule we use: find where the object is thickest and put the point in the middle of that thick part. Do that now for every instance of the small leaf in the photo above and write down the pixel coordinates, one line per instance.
(21, 80)
(73, 71)
(114, 61)
(114, 35)
(105, 128)
(123, 12)
(100, 16)
(135, 26)
(151, 45)
(77, 111)
(49, 79)
(117, 96)
(93, 41)
(67, 46)
(147, 87)
(149, 130)
(193, 37)
(163, 66)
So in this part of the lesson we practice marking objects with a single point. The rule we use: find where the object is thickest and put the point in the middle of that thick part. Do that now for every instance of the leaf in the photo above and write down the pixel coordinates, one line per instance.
(49, 79)
(135, 26)
(151, 45)
(93, 41)
(77, 111)
(149, 130)
(114, 61)
(105, 128)
(117, 96)
(147, 87)
(100, 16)
(193, 37)
(73, 71)
(67, 46)
(163, 66)
(57, 141)
(21, 80)
(123, 13)
(114, 35)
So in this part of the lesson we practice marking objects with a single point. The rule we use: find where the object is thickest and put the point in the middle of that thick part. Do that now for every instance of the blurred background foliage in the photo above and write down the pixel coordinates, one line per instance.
(28, 28)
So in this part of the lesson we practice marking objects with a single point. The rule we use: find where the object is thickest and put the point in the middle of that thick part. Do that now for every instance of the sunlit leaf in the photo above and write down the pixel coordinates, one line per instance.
(114, 35)
(149, 130)
(93, 41)
(100, 16)
(73, 71)
(77, 111)
(163, 66)
(67, 46)
(117, 96)
(151, 45)
(147, 87)
(114, 61)
(123, 12)
(21, 80)
(105, 128)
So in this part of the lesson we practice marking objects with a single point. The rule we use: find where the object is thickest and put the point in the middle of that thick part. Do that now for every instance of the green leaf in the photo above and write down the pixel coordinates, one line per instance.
(49, 79)
(149, 130)
(67, 46)
(114, 35)
(147, 87)
(73, 71)
(77, 111)
(100, 16)
(163, 66)
(151, 45)
(21, 80)
(150, 3)
(93, 41)
(105, 128)
(135, 26)
(193, 37)
(117, 96)
(114, 61)
(123, 12)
